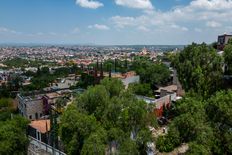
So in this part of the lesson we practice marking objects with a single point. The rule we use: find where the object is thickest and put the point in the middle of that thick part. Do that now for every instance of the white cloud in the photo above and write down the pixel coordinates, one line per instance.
(52, 33)
(137, 4)
(213, 24)
(182, 28)
(39, 33)
(92, 4)
(7, 30)
(212, 4)
(121, 22)
(99, 27)
(143, 28)
(3, 29)
(197, 29)
(192, 15)
(76, 30)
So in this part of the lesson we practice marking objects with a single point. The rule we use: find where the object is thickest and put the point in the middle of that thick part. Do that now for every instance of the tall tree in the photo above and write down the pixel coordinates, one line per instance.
(113, 86)
(75, 128)
(150, 72)
(128, 147)
(189, 125)
(95, 143)
(228, 57)
(105, 117)
(219, 111)
(13, 139)
(199, 69)
(94, 101)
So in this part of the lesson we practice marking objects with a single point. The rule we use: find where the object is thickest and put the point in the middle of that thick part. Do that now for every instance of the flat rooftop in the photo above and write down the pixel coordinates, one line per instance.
(171, 88)
(31, 97)
(53, 95)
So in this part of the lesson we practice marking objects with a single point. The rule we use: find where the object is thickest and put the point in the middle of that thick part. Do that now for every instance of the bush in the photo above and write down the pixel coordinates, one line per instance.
(163, 144)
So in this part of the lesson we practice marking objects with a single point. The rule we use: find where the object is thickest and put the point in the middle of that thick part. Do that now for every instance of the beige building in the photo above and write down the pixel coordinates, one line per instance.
(222, 41)
(30, 107)
(35, 107)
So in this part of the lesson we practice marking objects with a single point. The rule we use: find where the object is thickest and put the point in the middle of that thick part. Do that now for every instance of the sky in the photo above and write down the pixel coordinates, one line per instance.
(114, 22)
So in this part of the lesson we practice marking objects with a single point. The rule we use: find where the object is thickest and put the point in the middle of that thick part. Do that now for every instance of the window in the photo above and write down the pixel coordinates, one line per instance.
(221, 40)
(36, 115)
(30, 117)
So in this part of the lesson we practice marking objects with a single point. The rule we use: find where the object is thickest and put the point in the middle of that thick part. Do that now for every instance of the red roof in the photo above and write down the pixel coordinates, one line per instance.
(41, 125)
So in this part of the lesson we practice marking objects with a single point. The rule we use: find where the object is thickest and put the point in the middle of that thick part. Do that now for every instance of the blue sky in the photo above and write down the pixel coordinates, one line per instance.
(109, 22)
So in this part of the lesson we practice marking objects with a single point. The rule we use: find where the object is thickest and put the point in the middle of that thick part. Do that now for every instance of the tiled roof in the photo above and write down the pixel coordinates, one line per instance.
(41, 125)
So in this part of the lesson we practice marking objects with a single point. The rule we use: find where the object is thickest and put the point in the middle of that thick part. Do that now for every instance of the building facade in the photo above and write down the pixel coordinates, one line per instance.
(159, 104)
(30, 107)
(35, 107)
(222, 41)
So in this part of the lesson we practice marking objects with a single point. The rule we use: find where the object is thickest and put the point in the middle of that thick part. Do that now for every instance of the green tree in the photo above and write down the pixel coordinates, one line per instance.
(75, 127)
(6, 108)
(112, 112)
(6, 104)
(143, 138)
(61, 103)
(113, 86)
(95, 143)
(228, 57)
(94, 100)
(86, 80)
(195, 148)
(163, 144)
(214, 45)
(133, 117)
(4, 91)
(128, 147)
(143, 89)
(199, 69)
(168, 142)
(115, 137)
(150, 72)
(219, 112)
(105, 116)
(44, 70)
(13, 139)
(190, 125)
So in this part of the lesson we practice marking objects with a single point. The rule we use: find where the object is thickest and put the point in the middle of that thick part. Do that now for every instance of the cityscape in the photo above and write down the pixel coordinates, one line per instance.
(115, 77)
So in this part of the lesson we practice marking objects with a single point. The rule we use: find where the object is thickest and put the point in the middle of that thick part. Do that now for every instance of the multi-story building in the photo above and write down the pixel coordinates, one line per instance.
(160, 103)
(222, 41)
(30, 107)
(35, 107)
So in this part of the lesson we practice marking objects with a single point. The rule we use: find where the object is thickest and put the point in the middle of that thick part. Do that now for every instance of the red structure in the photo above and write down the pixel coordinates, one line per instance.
(160, 104)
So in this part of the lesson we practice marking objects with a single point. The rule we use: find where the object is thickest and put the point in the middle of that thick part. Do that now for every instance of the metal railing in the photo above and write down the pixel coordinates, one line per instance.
(38, 145)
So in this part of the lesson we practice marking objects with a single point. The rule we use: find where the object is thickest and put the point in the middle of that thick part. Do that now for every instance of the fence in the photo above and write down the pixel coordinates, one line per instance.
(36, 147)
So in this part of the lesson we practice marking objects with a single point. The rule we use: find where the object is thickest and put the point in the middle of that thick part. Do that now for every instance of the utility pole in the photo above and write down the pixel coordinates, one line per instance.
(109, 71)
(101, 74)
(95, 75)
(115, 65)
(126, 64)
(54, 127)
(97, 64)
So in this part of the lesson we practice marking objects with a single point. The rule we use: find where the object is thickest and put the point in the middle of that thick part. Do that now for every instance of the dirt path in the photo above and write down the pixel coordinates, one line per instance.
(179, 150)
